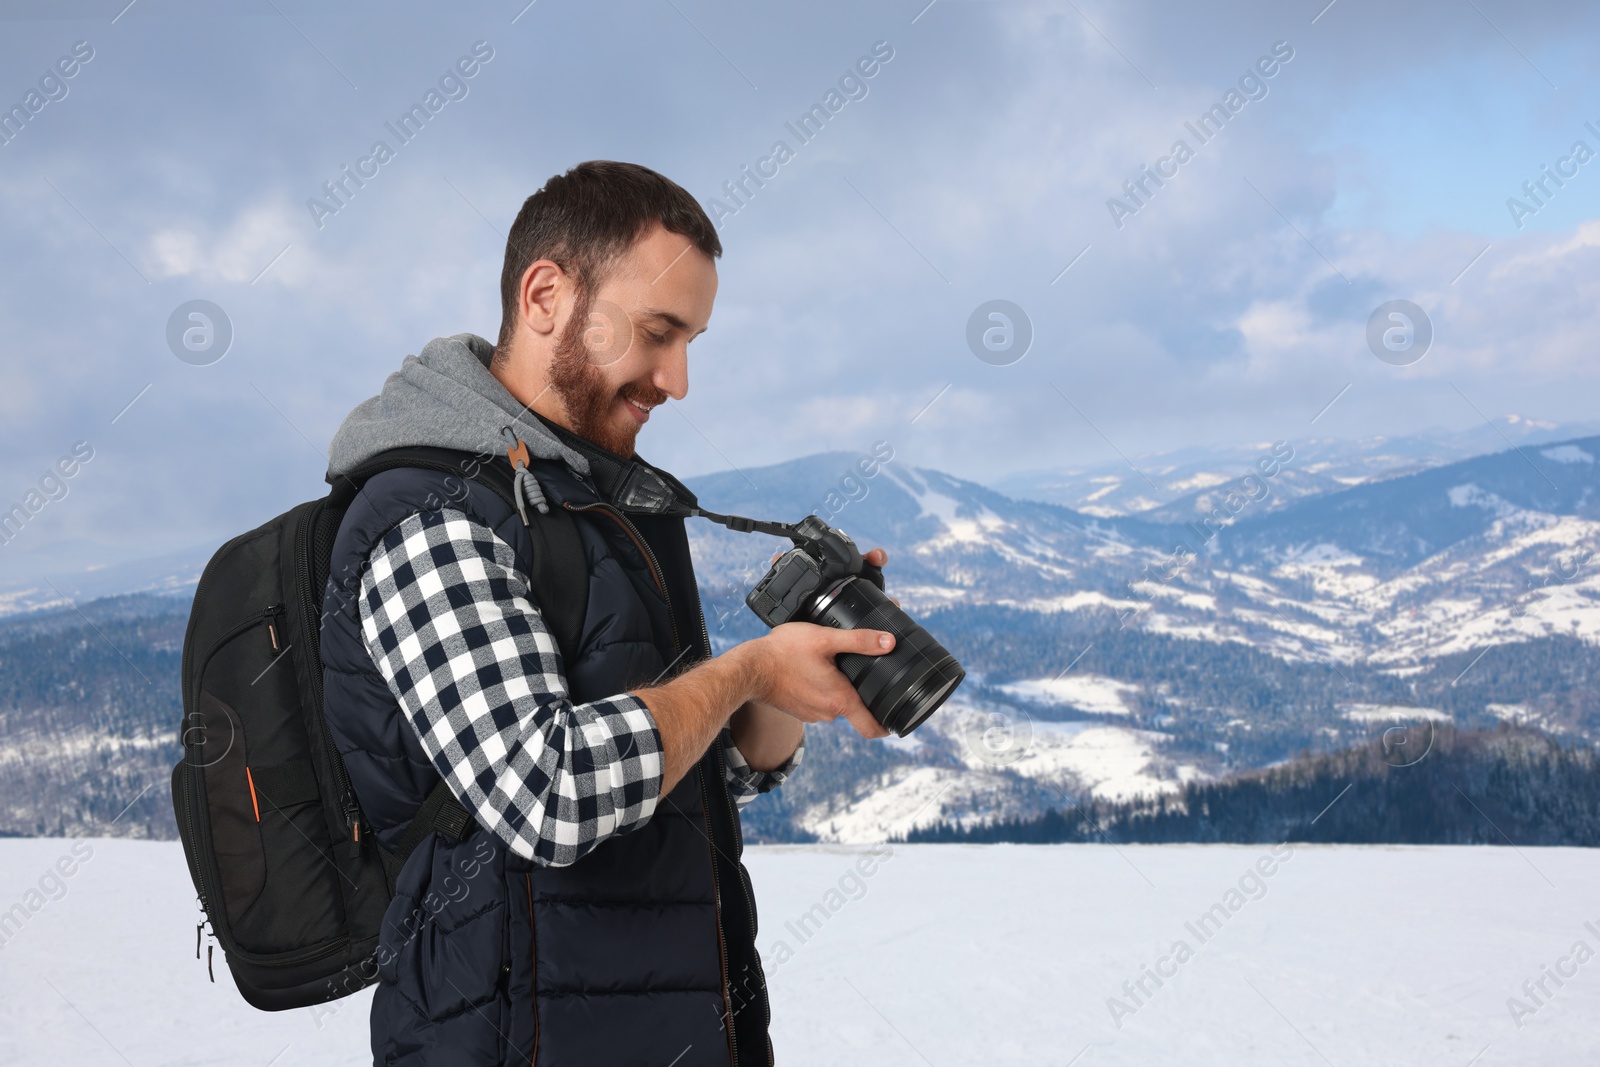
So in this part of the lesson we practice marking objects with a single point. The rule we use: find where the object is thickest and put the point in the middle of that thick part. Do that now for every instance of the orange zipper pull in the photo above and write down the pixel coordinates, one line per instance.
(248, 777)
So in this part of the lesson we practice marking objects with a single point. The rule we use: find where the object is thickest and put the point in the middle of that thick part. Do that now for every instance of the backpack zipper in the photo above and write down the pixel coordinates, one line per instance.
(312, 619)
(199, 592)
(199, 829)
(265, 615)
(221, 931)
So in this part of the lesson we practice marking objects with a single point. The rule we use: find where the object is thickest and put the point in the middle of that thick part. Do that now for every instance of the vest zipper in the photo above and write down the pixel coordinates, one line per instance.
(716, 897)
(733, 822)
(705, 796)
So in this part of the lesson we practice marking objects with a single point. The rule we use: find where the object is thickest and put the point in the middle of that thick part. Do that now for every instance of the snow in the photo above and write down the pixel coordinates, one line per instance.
(1111, 762)
(74, 745)
(1469, 495)
(1087, 692)
(1203, 480)
(1081, 601)
(1392, 713)
(945, 508)
(1567, 454)
(1321, 553)
(1519, 713)
(943, 955)
(1071, 758)
(911, 799)
(983, 760)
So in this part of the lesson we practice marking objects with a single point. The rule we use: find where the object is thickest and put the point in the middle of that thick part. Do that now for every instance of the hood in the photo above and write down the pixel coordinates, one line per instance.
(443, 398)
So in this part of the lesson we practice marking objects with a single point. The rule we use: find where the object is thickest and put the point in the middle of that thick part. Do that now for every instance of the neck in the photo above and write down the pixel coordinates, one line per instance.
(524, 374)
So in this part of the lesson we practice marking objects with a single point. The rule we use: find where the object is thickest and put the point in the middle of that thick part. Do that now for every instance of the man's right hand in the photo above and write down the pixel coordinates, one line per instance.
(796, 673)
(791, 668)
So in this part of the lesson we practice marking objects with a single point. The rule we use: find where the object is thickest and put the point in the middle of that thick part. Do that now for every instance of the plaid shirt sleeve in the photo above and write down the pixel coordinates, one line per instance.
(746, 783)
(449, 622)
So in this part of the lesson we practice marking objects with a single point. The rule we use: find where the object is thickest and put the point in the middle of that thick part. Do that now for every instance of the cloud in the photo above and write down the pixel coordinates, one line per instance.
(1231, 308)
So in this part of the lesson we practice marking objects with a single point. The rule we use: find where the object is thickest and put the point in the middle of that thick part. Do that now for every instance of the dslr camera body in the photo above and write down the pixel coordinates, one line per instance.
(824, 580)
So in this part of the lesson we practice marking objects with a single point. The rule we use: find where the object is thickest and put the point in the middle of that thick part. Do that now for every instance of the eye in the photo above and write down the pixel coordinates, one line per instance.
(656, 338)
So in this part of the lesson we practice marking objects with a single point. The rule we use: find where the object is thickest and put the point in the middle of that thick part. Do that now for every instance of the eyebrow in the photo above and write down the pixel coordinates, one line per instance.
(670, 319)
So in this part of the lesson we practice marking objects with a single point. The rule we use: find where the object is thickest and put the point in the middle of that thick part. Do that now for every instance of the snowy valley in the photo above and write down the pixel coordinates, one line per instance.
(1108, 656)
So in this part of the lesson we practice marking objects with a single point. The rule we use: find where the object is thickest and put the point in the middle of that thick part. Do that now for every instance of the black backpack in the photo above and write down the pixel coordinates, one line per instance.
(289, 877)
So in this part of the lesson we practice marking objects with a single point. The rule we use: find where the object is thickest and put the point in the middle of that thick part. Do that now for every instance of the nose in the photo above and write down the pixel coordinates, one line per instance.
(671, 374)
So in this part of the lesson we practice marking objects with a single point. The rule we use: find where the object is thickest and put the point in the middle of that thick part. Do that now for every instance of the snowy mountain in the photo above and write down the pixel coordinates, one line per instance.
(1107, 656)
(1488, 550)
(1100, 646)
(1173, 486)
(55, 577)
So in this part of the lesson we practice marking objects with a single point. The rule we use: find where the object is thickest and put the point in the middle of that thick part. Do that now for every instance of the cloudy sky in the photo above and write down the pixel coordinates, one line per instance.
(1228, 304)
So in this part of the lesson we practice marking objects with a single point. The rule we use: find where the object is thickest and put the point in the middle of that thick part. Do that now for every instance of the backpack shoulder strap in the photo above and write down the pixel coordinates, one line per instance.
(559, 578)
(560, 572)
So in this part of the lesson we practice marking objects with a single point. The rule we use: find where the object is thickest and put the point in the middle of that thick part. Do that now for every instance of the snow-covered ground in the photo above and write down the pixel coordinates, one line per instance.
(1392, 712)
(1088, 692)
(944, 955)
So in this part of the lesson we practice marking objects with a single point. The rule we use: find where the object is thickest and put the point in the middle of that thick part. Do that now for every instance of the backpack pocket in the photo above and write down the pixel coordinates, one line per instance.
(261, 851)
(231, 808)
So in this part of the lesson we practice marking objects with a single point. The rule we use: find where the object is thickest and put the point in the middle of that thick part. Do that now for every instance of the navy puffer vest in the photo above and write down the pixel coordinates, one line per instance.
(640, 952)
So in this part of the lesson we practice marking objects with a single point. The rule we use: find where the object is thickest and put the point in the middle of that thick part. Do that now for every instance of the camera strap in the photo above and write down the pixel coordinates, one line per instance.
(634, 487)
(642, 491)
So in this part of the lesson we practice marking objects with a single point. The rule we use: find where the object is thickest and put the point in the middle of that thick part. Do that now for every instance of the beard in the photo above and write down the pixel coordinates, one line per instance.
(589, 399)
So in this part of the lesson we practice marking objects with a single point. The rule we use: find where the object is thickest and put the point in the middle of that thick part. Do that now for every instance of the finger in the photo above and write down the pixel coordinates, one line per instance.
(877, 557)
(861, 642)
(864, 723)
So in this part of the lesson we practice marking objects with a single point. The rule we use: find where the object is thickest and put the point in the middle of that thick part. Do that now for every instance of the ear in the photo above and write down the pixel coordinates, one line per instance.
(544, 294)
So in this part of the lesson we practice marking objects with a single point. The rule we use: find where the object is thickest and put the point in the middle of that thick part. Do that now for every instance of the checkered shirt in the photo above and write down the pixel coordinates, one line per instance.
(451, 626)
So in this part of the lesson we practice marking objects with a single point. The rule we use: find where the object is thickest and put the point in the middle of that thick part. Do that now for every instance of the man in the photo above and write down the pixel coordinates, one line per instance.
(598, 912)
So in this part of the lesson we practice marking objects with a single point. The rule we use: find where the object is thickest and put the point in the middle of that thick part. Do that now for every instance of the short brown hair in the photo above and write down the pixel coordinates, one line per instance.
(585, 219)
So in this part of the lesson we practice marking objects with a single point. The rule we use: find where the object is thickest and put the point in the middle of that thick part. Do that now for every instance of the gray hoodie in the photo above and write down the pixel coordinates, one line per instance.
(444, 398)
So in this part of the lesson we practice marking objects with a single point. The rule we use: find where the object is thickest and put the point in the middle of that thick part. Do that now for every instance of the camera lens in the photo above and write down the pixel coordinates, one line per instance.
(902, 687)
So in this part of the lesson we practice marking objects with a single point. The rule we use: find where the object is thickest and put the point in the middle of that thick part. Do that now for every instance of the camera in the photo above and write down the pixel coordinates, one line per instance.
(824, 580)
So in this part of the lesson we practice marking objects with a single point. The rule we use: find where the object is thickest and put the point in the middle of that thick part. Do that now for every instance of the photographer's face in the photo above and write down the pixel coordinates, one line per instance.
(623, 350)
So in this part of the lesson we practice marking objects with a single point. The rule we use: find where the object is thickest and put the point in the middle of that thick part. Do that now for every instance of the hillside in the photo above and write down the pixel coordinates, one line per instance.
(89, 715)
(1423, 785)
(1101, 664)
